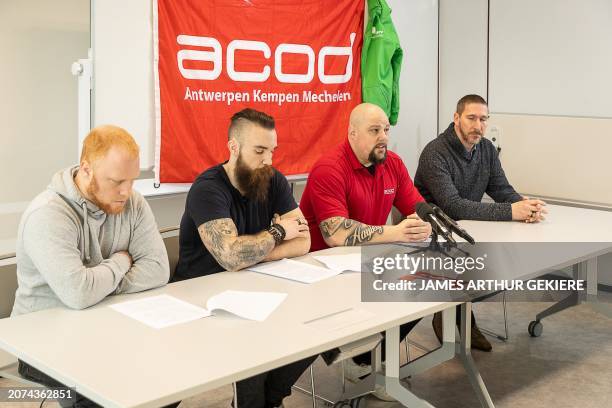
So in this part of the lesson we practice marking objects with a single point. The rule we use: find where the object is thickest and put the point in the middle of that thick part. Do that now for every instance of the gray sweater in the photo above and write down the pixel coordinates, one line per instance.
(456, 180)
(67, 249)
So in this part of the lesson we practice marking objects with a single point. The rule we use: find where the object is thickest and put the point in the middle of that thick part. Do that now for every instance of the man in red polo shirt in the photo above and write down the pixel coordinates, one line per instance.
(349, 195)
(351, 190)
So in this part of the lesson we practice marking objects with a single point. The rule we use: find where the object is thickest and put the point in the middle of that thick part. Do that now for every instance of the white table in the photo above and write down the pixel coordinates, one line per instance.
(117, 361)
(591, 228)
(562, 224)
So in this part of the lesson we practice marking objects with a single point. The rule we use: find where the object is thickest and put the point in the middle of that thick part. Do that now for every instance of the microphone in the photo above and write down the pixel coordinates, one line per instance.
(426, 213)
(452, 225)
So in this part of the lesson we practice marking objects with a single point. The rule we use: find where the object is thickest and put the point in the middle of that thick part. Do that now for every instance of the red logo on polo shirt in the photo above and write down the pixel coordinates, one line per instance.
(389, 191)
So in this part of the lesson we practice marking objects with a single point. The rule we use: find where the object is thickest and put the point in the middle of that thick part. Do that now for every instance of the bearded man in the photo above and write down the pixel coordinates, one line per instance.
(88, 236)
(455, 171)
(458, 167)
(349, 196)
(237, 214)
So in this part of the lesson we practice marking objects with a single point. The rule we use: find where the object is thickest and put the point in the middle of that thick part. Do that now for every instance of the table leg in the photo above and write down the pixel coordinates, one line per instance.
(391, 378)
(589, 269)
(441, 354)
(467, 360)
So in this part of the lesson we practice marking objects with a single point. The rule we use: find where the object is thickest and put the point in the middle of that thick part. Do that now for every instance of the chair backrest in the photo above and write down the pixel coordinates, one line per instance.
(8, 286)
(172, 248)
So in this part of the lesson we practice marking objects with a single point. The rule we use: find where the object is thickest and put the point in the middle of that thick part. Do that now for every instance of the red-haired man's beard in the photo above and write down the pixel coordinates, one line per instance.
(109, 208)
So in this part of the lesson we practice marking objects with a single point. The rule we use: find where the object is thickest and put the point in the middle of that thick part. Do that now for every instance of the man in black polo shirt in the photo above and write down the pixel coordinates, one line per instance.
(240, 213)
(455, 171)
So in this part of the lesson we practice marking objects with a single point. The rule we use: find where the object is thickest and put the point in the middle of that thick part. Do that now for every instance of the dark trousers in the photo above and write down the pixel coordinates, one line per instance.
(268, 389)
(458, 318)
(366, 358)
(30, 373)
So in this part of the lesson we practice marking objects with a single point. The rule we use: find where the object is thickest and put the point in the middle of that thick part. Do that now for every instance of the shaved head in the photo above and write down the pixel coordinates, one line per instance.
(368, 133)
(362, 112)
(241, 123)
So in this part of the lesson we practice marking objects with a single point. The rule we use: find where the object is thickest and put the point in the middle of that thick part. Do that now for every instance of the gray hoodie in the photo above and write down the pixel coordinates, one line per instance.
(67, 249)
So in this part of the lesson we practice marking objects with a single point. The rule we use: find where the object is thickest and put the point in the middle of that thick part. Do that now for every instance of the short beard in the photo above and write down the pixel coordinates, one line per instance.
(254, 183)
(375, 160)
(465, 136)
(92, 191)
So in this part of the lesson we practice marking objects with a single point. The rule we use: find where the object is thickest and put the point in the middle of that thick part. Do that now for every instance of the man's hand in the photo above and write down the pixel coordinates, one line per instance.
(412, 229)
(295, 227)
(126, 253)
(529, 210)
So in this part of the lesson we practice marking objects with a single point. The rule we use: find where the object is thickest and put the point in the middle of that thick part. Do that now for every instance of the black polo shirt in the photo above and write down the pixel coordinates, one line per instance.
(212, 196)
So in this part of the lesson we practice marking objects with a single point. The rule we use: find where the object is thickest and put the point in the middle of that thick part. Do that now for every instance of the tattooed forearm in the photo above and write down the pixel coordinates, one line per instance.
(344, 231)
(362, 234)
(331, 225)
(234, 252)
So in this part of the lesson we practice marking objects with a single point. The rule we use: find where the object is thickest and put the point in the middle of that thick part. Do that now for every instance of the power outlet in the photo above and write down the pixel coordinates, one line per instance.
(494, 134)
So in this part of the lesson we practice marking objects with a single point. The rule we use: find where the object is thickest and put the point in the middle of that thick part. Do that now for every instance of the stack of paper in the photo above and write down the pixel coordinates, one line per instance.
(160, 311)
(294, 270)
(165, 311)
(250, 305)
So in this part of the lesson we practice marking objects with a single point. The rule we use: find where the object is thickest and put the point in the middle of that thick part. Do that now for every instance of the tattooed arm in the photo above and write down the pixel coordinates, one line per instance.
(294, 247)
(339, 231)
(234, 252)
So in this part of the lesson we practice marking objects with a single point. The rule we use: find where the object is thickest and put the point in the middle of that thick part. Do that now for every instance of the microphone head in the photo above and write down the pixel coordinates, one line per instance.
(423, 210)
(436, 209)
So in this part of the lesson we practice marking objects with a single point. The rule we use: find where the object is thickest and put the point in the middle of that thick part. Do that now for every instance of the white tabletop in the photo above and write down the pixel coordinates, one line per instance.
(117, 361)
(562, 224)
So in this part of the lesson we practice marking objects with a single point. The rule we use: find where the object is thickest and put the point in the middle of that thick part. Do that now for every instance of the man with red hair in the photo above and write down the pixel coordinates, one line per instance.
(88, 236)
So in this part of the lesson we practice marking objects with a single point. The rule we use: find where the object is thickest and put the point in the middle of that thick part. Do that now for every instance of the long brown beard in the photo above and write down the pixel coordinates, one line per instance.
(254, 183)
(92, 191)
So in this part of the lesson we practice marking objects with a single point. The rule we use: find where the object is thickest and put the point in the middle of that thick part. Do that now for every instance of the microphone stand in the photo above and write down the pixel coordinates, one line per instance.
(436, 246)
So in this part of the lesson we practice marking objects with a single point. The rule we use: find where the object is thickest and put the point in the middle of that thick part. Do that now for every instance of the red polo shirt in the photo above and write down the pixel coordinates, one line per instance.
(338, 185)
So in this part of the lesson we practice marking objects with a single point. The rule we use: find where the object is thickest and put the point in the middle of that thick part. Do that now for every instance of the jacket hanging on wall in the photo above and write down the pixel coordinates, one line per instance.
(381, 60)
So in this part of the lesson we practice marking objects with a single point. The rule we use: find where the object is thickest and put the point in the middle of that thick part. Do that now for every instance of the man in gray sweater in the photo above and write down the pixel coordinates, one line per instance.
(458, 167)
(455, 171)
(88, 236)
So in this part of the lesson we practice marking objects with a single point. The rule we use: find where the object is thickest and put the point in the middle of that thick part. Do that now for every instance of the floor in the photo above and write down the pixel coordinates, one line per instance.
(570, 365)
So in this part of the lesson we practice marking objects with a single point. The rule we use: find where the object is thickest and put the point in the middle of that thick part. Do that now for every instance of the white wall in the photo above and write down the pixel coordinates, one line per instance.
(553, 60)
(416, 23)
(123, 70)
(39, 40)
(533, 51)
(463, 54)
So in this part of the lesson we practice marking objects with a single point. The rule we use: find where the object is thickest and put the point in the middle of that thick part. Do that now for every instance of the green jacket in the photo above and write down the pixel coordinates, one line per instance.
(381, 60)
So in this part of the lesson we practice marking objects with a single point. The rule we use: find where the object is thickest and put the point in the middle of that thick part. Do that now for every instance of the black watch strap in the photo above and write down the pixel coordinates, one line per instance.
(278, 233)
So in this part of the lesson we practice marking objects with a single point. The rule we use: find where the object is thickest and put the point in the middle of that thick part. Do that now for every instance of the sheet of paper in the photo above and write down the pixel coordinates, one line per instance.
(249, 305)
(341, 263)
(160, 311)
(294, 270)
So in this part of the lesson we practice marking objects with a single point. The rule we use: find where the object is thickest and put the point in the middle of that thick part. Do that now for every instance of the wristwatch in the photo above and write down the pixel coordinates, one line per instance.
(278, 233)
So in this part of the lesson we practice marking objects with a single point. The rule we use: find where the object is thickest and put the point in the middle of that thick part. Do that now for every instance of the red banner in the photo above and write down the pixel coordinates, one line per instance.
(297, 60)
